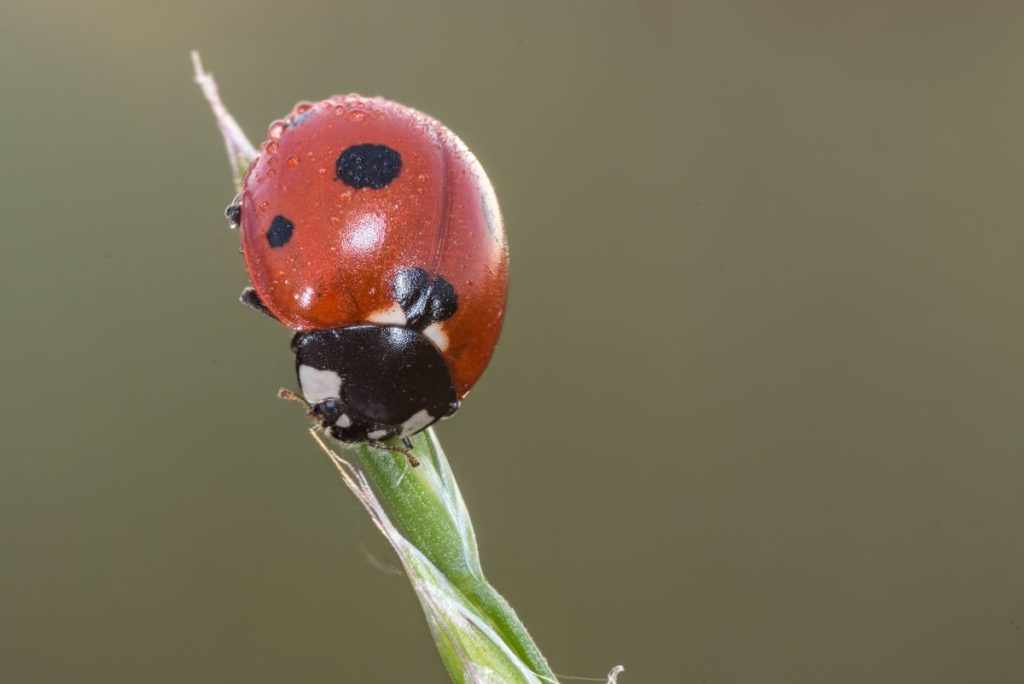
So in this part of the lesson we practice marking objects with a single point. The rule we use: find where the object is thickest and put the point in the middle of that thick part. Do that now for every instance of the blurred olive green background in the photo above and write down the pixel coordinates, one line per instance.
(755, 417)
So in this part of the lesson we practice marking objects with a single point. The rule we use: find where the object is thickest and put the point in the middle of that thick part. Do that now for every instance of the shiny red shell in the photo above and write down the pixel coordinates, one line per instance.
(438, 214)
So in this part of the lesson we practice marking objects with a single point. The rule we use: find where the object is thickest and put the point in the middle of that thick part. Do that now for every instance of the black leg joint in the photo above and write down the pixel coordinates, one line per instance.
(251, 299)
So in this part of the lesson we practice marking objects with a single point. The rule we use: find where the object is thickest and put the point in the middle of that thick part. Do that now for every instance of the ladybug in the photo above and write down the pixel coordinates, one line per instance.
(372, 231)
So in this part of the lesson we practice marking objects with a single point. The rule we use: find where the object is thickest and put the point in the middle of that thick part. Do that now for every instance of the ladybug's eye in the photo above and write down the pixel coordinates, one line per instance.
(368, 166)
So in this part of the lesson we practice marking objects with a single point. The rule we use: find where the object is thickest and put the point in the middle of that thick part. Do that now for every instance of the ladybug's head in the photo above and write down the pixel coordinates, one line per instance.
(373, 382)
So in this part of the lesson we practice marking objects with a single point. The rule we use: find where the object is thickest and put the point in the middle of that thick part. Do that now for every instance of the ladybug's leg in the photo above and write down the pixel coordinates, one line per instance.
(250, 298)
(407, 452)
(424, 299)
(452, 408)
(234, 213)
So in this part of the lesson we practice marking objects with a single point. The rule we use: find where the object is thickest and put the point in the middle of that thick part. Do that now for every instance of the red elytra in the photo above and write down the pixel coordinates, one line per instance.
(345, 244)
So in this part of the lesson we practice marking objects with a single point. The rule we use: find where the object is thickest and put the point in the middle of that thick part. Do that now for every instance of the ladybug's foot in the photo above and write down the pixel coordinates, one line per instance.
(251, 299)
(424, 299)
(234, 213)
(409, 456)
(452, 408)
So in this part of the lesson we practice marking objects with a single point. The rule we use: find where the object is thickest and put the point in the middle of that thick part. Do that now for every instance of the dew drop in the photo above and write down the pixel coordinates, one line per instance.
(276, 129)
(263, 206)
(270, 146)
(355, 115)
(303, 107)
(292, 162)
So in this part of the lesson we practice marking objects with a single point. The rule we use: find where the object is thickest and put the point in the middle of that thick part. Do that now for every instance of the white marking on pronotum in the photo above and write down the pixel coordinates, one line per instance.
(391, 316)
(417, 422)
(319, 385)
(376, 434)
(436, 334)
(343, 421)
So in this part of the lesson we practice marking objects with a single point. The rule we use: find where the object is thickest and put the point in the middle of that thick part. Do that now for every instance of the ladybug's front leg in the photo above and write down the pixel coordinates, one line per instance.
(251, 299)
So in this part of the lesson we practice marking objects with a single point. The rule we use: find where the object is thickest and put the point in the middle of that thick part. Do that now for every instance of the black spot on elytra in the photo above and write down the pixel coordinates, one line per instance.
(368, 166)
(280, 231)
(424, 300)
